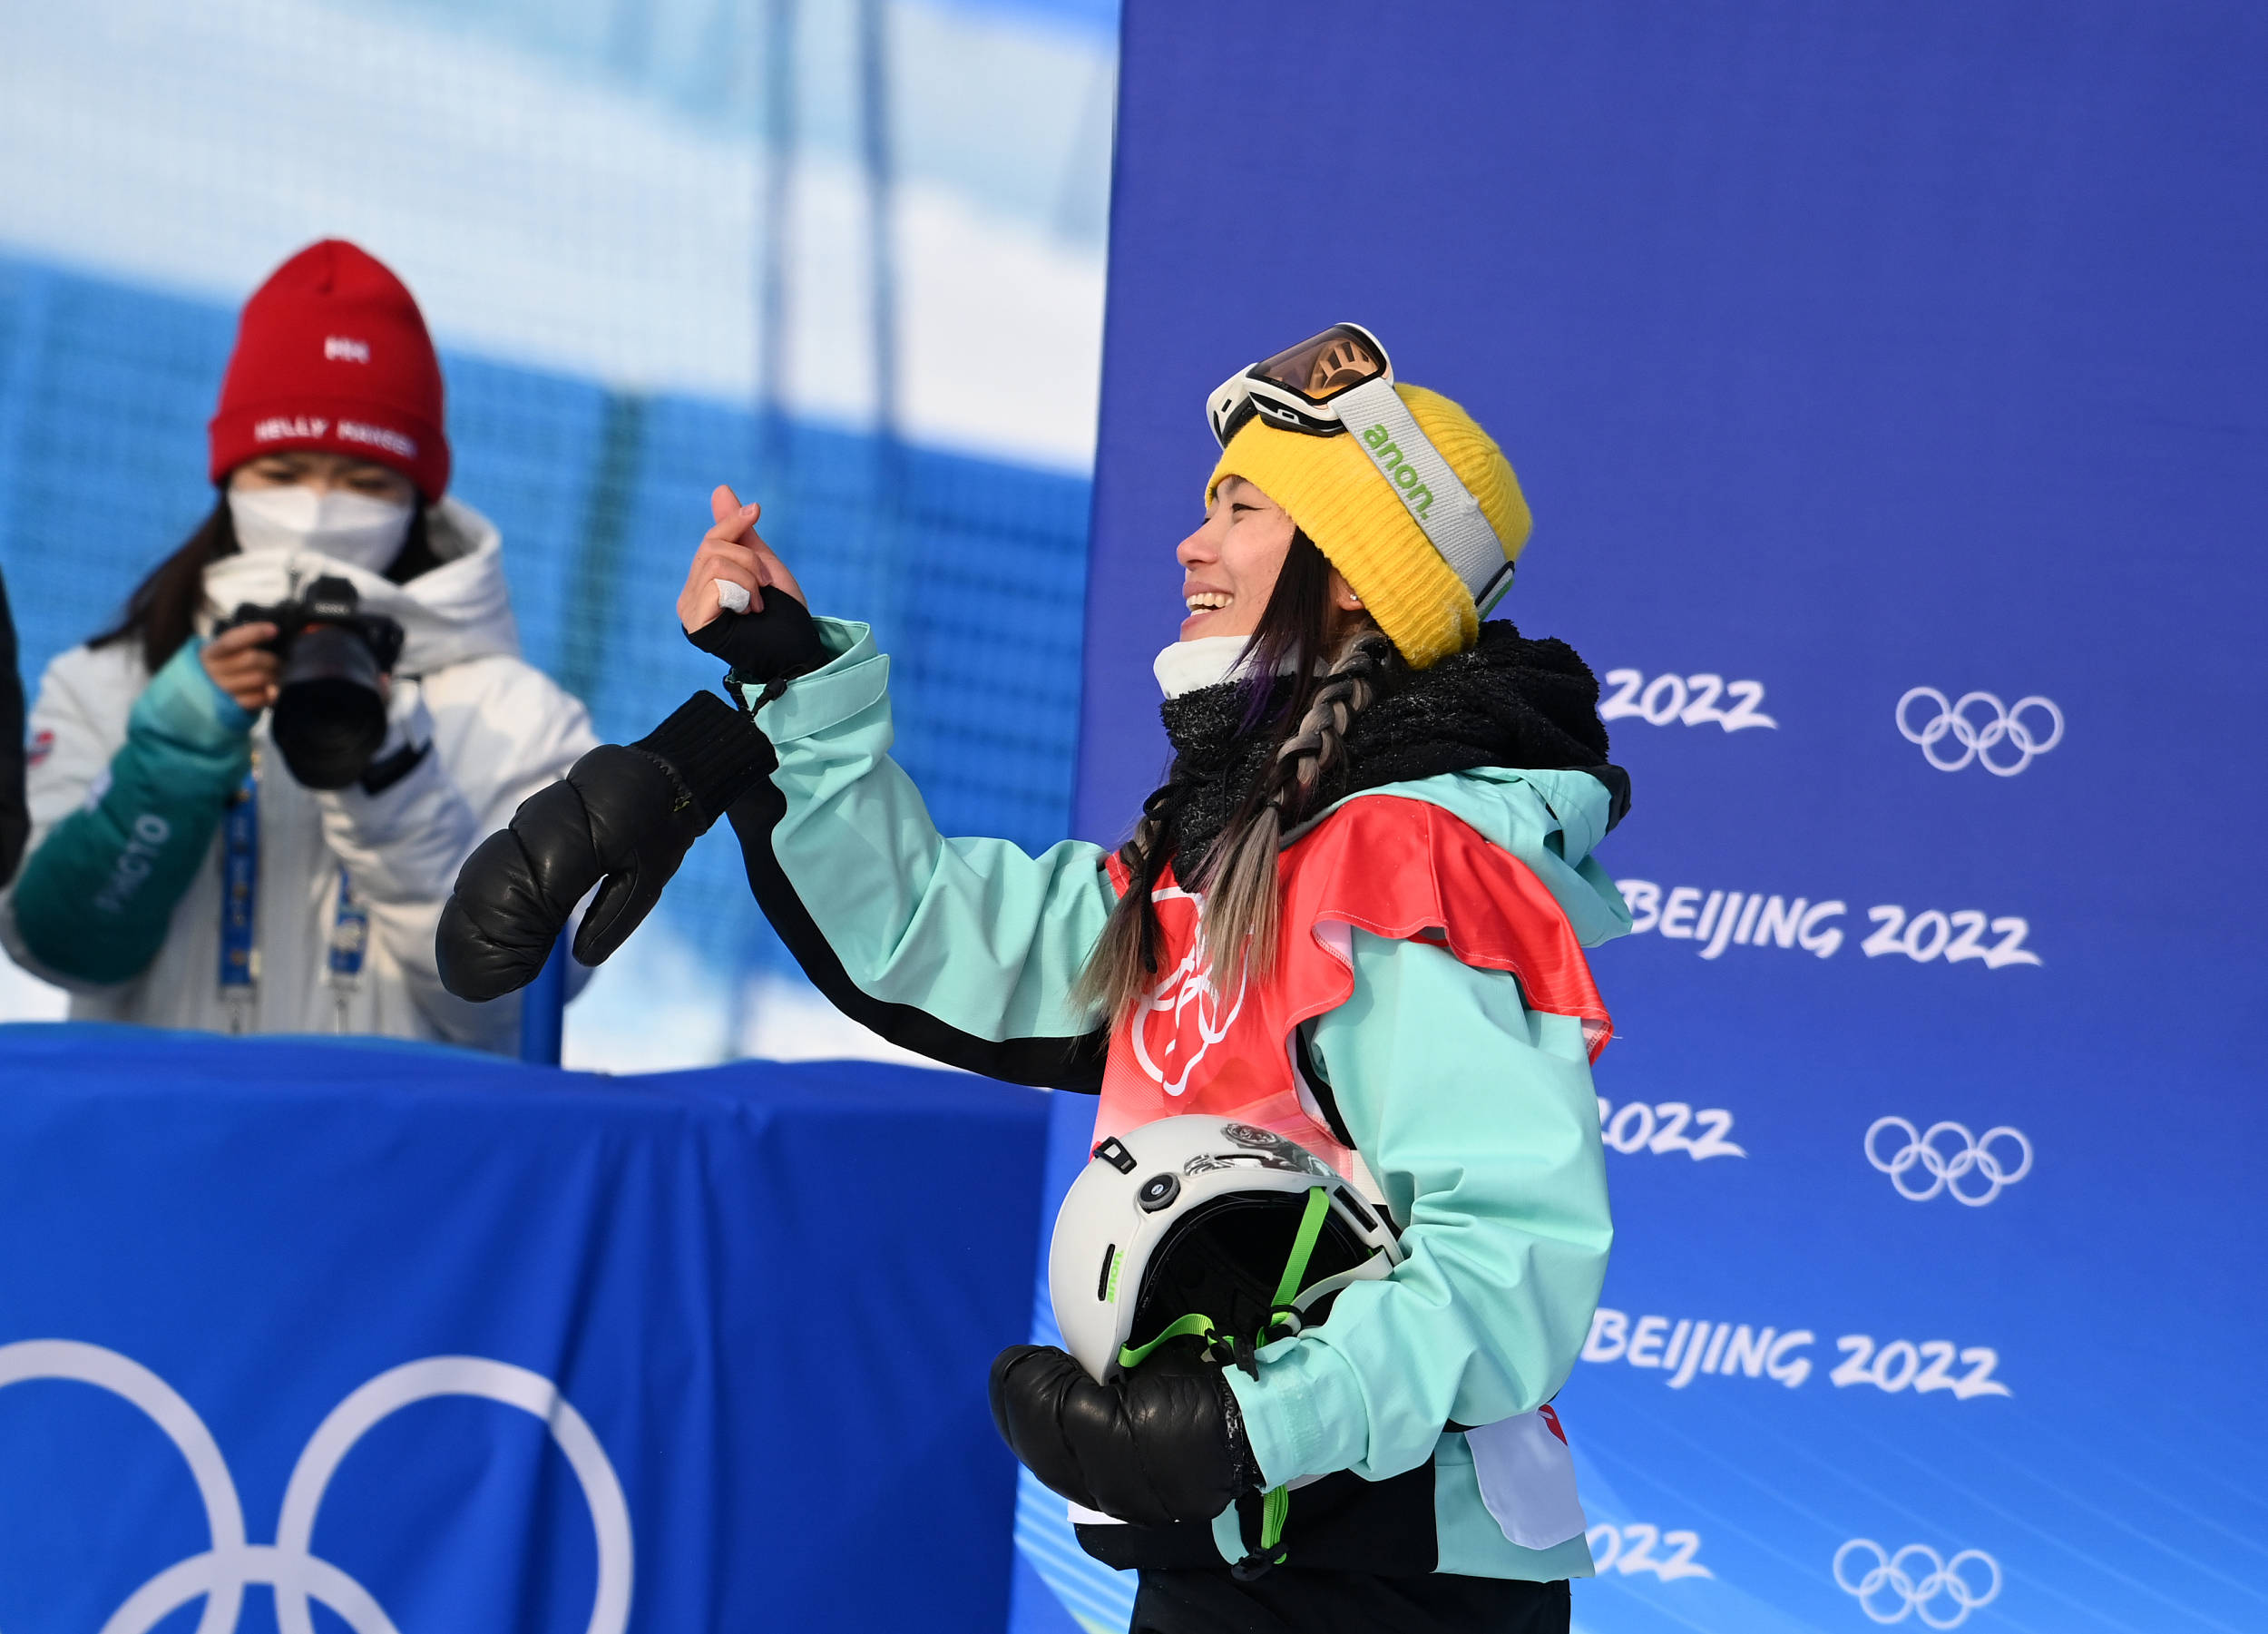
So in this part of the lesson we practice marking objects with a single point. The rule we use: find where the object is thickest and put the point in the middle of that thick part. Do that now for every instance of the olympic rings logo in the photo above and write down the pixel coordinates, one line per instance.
(1918, 1592)
(1947, 1171)
(230, 1564)
(1977, 740)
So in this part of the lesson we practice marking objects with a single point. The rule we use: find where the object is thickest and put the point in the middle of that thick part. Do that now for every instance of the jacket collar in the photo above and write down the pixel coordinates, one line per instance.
(458, 610)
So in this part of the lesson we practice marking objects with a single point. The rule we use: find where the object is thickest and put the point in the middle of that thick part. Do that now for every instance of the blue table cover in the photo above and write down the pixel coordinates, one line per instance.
(333, 1335)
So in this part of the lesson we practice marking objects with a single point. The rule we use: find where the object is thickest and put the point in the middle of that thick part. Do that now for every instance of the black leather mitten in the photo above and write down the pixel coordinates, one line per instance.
(776, 642)
(1160, 1443)
(624, 815)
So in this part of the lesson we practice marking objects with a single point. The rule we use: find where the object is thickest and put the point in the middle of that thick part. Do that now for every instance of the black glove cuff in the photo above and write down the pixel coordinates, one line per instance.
(1243, 1469)
(713, 749)
(776, 642)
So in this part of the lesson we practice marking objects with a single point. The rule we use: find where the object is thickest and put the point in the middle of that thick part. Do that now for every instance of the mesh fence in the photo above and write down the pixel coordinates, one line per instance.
(971, 571)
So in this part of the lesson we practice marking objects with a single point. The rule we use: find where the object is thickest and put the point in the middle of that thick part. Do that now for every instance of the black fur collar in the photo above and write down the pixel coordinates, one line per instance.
(1504, 701)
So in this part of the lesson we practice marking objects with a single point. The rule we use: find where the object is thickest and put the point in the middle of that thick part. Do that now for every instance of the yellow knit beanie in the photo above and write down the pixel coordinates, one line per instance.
(1339, 499)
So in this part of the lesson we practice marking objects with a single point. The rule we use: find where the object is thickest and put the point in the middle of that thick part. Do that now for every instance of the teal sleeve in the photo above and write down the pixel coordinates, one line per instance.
(977, 934)
(95, 900)
(1476, 1118)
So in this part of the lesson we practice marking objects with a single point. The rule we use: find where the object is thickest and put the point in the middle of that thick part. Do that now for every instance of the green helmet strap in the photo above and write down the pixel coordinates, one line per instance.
(1281, 1307)
(1276, 1506)
(1196, 1322)
(1303, 1249)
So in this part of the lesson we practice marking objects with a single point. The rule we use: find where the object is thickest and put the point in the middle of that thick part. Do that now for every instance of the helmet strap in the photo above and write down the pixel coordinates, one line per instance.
(1276, 1506)
(1281, 1311)
(1196, 1322)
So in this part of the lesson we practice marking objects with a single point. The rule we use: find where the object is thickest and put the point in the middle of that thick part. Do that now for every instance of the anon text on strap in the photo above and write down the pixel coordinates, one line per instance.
(1428, 488)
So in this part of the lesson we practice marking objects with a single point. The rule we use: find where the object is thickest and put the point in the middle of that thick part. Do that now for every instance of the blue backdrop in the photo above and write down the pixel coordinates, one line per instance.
(457, 1344)
(1866, 365)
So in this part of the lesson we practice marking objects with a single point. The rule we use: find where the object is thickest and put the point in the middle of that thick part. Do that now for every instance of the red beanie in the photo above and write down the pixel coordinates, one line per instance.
(331, 353)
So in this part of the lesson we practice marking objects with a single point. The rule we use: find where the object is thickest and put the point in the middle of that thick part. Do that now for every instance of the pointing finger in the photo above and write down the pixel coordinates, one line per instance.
(732, 518)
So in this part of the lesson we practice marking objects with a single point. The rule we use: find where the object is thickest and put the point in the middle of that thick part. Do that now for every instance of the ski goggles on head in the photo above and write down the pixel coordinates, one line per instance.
(1341, 380)
(1296, 389)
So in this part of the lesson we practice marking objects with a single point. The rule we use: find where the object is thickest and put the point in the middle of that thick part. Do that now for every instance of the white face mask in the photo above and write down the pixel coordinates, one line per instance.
(353, 528)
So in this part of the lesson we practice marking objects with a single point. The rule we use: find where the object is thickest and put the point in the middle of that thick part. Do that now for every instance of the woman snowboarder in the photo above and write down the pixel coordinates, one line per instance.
(1353, 915)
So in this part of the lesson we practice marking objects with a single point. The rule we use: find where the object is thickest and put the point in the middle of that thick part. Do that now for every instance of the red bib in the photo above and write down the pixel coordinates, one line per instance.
(1393, 867)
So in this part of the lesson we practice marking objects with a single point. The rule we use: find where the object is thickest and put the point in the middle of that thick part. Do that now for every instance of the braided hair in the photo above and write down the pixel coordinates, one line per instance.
(1335, 659)
(1241, 897)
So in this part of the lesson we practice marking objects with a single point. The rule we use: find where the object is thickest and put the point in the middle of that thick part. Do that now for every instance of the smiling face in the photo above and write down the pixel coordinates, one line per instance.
(1229, 565)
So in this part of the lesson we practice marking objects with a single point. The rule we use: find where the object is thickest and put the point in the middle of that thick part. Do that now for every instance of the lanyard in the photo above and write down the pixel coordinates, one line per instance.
(240, 897)
(240, 912)
(350, 935)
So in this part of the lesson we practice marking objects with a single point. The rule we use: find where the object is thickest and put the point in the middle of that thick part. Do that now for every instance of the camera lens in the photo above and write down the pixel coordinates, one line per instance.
(329, 719)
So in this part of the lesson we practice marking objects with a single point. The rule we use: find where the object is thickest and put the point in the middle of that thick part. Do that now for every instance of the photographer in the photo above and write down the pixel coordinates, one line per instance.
(249, 796)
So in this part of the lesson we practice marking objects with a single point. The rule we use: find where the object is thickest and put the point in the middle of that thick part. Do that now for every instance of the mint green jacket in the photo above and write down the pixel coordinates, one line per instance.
(1475, 1115)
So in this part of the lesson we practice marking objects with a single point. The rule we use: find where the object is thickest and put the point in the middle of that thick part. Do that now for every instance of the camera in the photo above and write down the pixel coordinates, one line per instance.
(329, 716)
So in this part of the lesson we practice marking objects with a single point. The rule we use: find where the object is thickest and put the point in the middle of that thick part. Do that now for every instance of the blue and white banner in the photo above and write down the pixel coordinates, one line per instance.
(1885, 380)
(433, 1342)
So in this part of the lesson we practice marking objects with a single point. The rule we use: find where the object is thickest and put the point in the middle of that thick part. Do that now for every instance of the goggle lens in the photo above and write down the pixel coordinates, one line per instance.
(1323, 365)
(1303, 377)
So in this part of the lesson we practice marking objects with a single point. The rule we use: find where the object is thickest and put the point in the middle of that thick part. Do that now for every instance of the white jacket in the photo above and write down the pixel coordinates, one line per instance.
(500, 730)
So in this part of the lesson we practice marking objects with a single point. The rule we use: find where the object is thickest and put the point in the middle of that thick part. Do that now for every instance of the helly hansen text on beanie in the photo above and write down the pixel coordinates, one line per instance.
(332, 353)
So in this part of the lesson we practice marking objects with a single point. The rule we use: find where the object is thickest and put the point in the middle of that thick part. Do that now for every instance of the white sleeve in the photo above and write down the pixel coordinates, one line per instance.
(498, 730)
(402, 846)
(78, 723)
(404, 843)
(527, 731)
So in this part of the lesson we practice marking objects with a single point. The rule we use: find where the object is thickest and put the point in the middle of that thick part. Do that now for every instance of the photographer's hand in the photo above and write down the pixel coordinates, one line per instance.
(241, 667)
(774, 639)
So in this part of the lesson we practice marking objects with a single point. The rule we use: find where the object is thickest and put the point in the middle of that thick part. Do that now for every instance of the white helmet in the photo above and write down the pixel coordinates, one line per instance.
(1209, 1227)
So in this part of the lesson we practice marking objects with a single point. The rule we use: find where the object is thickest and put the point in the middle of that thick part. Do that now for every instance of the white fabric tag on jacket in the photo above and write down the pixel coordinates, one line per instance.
(730, 596)
(408, 723)
(1526, 1479)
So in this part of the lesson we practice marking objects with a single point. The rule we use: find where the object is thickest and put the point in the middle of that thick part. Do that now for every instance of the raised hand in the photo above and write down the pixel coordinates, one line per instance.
(774, 639)
(733, 552)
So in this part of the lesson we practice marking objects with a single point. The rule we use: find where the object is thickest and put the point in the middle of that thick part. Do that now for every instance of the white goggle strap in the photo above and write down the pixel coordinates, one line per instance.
(1376, 1267)
(1444, 507)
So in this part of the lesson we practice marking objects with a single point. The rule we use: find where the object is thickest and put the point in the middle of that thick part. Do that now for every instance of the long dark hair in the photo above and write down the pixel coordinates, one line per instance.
(1334, 660)
(161, 613)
